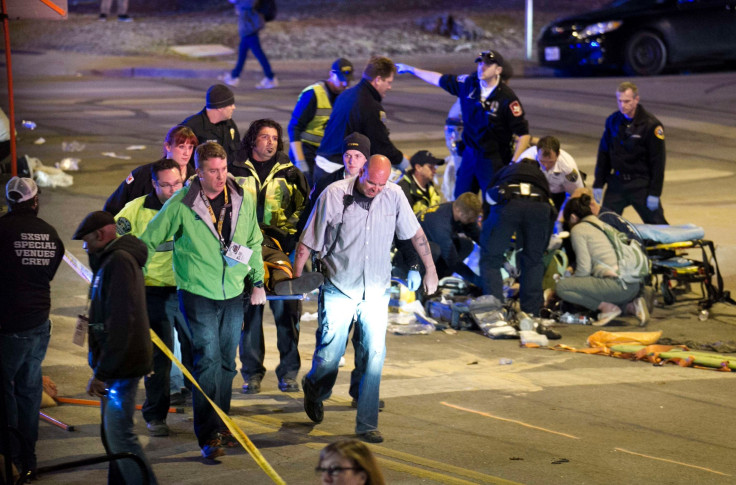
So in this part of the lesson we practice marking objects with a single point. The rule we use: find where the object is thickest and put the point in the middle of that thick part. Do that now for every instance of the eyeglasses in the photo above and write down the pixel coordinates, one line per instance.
(170, 186)
(334, 471)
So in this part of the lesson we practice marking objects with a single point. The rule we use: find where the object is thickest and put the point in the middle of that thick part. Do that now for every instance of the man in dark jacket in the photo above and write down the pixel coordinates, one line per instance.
(631, 159)
(120, 348)
(451, 229)
(215, 121)
(359, 109)
(31, 252)
(280, 191)
(520, 204)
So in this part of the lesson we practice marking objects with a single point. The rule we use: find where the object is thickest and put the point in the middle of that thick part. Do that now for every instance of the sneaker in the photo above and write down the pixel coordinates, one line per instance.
(227, 439)
(125, 18)
(252, 386)
(297, 286)
(604, 318)
(268, 83)
(288, 385)
(157, 428)
(641, 311)
(371, 436)
(177, 399)
(102, 17)
(213, 449)
(314, 409)
(229, 80)
(381, 404)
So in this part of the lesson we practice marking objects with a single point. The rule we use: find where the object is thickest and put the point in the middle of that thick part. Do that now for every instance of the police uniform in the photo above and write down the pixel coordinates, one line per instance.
(488, 128)
(225, 133)
(519, 198)
(309, 118)
(631, 162)
(563, 178)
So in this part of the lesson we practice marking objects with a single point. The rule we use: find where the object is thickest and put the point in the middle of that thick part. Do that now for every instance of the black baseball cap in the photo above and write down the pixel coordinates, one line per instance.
(490, 57)
(344, 69)
(423, 157)
(94, 220)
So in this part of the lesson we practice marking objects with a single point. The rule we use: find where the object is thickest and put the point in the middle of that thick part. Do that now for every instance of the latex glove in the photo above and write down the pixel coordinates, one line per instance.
(404, 68)
(598, 195)
(652, 202)
(302, 165)
(413, 280)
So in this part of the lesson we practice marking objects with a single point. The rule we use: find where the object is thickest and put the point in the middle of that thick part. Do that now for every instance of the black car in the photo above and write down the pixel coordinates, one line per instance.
(642, 36)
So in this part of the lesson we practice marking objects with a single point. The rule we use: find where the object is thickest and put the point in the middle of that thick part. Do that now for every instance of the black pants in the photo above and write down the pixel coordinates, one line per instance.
(623, 193)
(531, 221)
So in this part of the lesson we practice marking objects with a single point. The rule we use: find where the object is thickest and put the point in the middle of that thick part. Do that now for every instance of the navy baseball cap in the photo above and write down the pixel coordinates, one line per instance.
(490, 57)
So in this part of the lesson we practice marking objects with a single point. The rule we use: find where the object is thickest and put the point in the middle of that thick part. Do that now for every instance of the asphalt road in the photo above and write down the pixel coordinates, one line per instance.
(454, 414)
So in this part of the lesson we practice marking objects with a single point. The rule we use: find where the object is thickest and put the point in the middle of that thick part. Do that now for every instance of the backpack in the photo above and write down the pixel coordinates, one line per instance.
(633, 263)
(267, 8)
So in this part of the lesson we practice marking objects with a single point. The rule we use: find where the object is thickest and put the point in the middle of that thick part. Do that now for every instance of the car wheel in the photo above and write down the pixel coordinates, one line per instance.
(646, 54)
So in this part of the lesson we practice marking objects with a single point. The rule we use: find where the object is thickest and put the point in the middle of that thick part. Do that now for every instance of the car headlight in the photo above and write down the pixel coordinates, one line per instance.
(599, 28)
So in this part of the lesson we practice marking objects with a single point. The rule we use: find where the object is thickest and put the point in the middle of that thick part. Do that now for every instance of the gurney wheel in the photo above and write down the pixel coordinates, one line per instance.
(667, 295)
(703, 315)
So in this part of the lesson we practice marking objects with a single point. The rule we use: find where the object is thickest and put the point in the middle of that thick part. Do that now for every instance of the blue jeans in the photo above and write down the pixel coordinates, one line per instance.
(286, 314)
(253, 43)
(530, 221)
(116, 429)
(215, 328)
(336, 311)
(21, 354)
(162, 306)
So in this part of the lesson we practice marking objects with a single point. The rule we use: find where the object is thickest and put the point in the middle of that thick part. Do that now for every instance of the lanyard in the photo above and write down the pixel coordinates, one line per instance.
(217, 222)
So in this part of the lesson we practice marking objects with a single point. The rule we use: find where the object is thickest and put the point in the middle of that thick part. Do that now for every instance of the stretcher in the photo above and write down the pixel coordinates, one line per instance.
(668, 248)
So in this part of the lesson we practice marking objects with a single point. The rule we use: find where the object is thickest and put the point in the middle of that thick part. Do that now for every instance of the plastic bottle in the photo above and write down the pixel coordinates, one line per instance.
(574, 319)
(526, 322)
(505, 361)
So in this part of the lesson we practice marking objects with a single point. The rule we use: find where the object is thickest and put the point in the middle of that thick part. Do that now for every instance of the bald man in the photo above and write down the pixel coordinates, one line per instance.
(351, 229)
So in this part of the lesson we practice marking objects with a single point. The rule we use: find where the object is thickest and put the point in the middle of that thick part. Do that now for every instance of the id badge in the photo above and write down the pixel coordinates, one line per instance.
(80, 330)
(239, 253)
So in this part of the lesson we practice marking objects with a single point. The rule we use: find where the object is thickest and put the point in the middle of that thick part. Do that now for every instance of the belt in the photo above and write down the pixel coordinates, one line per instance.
(521, 191)
(627, 177)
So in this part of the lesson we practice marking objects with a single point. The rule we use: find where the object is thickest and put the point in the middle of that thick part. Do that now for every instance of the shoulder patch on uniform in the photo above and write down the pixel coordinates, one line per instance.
(573, 176)
(232, 133)
(129, 179)
(462, 78)
(382, 115)
(659, 132)
(515, 108)
(123, 226)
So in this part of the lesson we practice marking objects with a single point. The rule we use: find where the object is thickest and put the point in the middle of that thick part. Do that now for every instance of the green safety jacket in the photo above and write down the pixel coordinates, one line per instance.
(315, 129)
(280, 197)
(133, 219)
(199, 265)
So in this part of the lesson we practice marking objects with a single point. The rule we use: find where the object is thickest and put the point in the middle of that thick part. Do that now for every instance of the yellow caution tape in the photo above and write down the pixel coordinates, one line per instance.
(234, 429)
(244, 441)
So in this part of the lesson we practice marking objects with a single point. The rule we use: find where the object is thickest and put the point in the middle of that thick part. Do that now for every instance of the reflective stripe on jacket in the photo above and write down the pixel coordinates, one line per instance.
(315, 129)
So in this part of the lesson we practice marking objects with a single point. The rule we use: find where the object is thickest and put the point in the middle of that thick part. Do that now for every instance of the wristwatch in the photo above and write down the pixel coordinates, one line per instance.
(258, 284)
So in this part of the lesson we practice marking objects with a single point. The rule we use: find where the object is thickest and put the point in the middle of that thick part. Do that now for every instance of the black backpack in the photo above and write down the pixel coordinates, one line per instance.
(267, 8)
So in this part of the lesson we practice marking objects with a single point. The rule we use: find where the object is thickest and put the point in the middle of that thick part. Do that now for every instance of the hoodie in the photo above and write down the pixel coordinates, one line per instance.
(119, 338)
